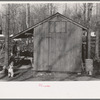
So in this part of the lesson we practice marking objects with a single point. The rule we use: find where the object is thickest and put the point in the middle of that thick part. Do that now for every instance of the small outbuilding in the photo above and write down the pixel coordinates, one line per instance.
(57, 43)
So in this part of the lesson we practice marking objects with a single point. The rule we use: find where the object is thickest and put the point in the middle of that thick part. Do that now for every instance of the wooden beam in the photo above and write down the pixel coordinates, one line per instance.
(70, 20)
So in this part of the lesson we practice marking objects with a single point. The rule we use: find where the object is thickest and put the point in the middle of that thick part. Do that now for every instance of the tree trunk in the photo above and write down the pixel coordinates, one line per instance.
(84, 14)
(7, 36)
(28, 18)
(66, 9)
(97, 30)
(89, 15)
(97, 44)
(28, 15)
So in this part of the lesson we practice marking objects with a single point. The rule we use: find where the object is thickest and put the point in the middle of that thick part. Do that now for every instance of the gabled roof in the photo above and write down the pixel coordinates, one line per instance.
(30, 29)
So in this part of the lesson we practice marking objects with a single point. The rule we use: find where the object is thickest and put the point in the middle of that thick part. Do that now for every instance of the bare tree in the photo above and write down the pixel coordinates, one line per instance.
(7, 35)
(97, 25)
(84, 13)
(89, 16)
(28, 15)
(51, 8)
(67, 10)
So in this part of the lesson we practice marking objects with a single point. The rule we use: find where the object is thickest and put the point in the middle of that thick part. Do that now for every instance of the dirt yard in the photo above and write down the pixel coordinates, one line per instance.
(30, 75)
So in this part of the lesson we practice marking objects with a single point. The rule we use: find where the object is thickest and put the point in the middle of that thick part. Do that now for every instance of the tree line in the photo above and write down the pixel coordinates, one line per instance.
(15, 18)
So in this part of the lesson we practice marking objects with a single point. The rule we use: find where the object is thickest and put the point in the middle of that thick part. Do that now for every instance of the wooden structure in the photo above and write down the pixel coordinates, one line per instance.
(57, 44)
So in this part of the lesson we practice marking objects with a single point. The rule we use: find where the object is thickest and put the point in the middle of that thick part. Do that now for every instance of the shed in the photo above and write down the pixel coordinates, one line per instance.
(57, 44)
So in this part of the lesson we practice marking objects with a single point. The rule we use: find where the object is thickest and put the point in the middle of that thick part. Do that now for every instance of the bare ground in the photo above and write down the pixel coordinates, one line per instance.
(30, 75)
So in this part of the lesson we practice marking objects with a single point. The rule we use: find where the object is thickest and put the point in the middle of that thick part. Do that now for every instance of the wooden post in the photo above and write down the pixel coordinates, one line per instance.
(33, 50)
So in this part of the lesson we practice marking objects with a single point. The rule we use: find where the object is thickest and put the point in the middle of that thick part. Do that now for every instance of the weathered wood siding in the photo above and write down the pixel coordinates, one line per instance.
(57, 51)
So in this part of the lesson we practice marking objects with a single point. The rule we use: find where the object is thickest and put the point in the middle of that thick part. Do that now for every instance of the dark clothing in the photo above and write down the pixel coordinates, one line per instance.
(83, 52)
(15, 49)
(12, 59)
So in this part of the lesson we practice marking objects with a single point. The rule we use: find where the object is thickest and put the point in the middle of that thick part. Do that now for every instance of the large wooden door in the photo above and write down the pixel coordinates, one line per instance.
(56, 50)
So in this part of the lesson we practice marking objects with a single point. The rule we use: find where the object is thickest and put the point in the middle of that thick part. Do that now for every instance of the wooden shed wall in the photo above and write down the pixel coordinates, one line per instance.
(57, 51)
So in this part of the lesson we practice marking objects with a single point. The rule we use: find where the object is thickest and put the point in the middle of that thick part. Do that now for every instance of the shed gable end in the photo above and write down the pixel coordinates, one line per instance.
(61, 20)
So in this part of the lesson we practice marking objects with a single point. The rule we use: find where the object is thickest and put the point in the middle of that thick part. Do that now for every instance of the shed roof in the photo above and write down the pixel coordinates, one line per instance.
(29, 31)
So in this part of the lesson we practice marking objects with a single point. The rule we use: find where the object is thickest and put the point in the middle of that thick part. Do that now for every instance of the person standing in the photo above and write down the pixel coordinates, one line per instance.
(15, 49)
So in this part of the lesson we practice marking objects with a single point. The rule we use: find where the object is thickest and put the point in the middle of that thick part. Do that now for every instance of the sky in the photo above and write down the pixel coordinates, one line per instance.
(61, 6)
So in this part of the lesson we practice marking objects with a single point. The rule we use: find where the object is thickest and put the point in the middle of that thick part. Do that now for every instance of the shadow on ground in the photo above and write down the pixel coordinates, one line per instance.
(30, 75)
